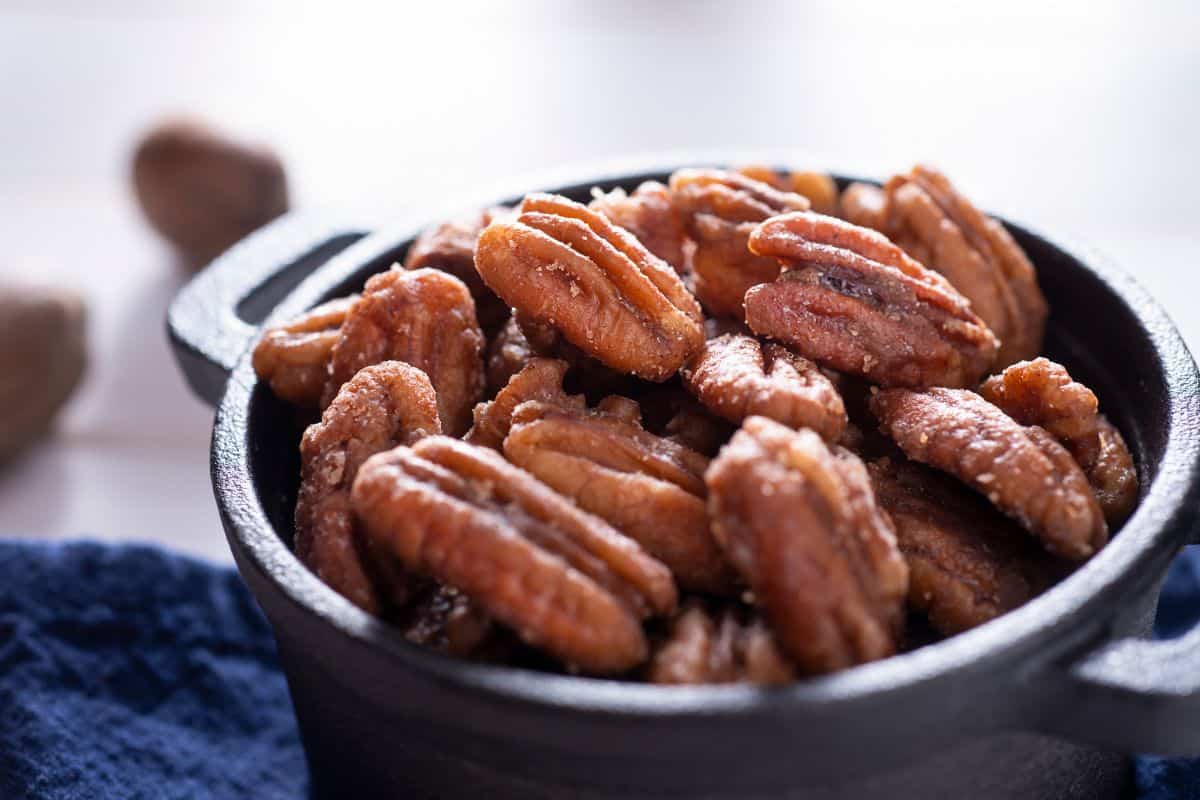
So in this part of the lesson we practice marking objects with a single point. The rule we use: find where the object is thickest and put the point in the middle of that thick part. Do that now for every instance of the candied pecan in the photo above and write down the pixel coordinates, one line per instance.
(649, 488)
(444, 619)
(967, 562)
(817, 187)
(562, 264)
(718, 648)
(1023, 471)
(975, 252)
(562, 579)
(719, 210)
(735, 376)
(853, 301)
(293, 358)
(799, 521)
(422, 317)
(507, 354)
(382, 406)
(541, 379)
(650, 215)
(450, 247)
(1043, 393)
(864, 204)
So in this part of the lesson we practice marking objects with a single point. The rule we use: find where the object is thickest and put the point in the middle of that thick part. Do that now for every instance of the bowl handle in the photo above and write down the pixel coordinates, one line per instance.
(1133, 695)
(216, 315)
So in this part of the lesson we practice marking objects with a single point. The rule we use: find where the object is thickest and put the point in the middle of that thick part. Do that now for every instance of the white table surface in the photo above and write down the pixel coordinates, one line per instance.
(1081, 118)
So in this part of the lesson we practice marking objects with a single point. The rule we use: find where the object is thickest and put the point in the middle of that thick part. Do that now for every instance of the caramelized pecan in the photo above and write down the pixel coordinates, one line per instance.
(382, 406)
(1023, 471)
(450, 247)
(720, 209)
(567, 266)
(649, 215)
(800, 522)
(967, 562)
(507, 354)
(735, 376)
(865, 205)
(649, 488)
(541, 379)
(293, 358)
(1041, 392)
(722, 647)
(421, 317)
(561, 578)
(853, 301)
(817, 187)
(925, 212)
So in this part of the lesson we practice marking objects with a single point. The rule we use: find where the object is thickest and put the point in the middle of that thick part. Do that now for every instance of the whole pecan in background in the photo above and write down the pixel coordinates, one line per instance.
(202, 191)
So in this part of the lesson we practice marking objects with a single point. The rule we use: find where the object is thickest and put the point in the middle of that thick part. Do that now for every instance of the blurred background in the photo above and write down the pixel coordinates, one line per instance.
(1080, 118)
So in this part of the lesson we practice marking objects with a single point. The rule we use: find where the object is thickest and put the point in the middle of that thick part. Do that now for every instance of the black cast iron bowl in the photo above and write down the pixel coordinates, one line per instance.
(1043, 702)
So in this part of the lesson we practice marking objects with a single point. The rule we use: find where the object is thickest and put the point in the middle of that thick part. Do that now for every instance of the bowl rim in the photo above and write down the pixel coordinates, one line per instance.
(1157, 528)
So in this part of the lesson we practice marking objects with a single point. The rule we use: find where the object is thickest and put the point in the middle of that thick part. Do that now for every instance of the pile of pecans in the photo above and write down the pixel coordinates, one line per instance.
(698, 433)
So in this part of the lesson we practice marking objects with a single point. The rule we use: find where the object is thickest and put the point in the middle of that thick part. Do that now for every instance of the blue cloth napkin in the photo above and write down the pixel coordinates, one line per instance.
(130, 672)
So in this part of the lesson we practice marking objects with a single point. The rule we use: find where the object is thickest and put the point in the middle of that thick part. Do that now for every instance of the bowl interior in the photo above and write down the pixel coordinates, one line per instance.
(1091, 330)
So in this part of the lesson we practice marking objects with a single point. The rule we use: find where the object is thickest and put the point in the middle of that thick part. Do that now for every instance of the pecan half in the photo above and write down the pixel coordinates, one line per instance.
(293, 358)
(967, 562)
(650, 215)
(975, 252)
(853, 301)
(723, 647)
(1023, 471)
(649, 488)
(540, 379)
(507, 354)
(720, 209)
(382, 406)
(799, 521)
(1042, 392)
(421, 317)
(450, 247)
(817, 187)
(735, 376)
(562, 579)
(563, 264)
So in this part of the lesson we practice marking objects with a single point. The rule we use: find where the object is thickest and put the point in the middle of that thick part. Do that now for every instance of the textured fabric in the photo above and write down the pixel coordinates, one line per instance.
(130, 672)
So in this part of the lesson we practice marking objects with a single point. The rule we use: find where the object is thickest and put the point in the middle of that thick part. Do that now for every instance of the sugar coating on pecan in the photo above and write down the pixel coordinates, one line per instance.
(818, 188)
(450, 247)
(967, 562)
(562, 264)
(382, 406)
(865, 205)
(736, 376)
(293, 358)
(649, 488)
(422, 317)
(721, 646)
(650, 215)
(853, 301)
(975, 252)
(562, 579)
(799, 520)
(720, 209)
(1042, 392)
(1022, 470)
(540, 379)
